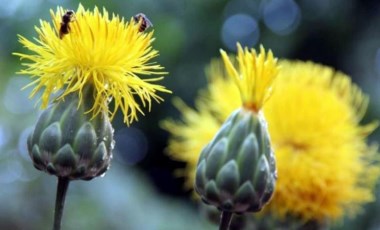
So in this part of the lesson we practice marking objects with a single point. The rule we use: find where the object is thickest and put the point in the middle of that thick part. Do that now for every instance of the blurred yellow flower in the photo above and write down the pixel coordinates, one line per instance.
(324, 164)
(189, 136)
(110, 54)
(325, 168)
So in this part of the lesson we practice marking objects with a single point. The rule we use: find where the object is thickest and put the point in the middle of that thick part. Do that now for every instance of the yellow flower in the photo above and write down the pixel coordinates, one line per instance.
(109, 54)
(325, 168)
(189, 136)
(324, 164)
(254, 76)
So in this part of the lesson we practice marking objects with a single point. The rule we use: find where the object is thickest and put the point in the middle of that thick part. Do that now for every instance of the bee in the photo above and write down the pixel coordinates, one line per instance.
(66, 19)
(145, 23)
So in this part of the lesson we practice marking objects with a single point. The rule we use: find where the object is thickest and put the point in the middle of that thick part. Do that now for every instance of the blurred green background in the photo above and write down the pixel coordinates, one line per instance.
(140, 191)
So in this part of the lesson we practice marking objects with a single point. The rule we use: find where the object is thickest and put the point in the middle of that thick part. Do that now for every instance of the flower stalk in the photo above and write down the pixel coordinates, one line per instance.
(62, 186)
(225, 220)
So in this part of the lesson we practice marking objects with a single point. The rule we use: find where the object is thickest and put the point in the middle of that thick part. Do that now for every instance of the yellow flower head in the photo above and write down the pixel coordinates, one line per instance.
(325, 168)
(107, 53)
(324, 164)
(253, 75)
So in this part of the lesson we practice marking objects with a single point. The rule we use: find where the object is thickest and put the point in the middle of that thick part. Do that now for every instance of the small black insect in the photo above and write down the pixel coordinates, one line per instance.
(66, 19)
(145, 23)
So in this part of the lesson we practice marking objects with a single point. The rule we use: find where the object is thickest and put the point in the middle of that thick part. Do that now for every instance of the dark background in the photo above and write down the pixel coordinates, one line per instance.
(140, 191)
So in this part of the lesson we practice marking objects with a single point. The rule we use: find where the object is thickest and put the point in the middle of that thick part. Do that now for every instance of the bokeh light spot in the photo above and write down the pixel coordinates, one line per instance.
(5, 135)
(16, 100)
(281, 16)
(10, 171)
(240, 28)
(131, 145)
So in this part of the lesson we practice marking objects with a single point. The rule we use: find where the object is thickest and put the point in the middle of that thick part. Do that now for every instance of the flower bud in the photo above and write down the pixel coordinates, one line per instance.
(236, 171)
(68, 142)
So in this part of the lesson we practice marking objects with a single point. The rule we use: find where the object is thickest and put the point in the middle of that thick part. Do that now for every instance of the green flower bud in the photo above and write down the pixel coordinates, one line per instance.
(68, 142)
(236, 171)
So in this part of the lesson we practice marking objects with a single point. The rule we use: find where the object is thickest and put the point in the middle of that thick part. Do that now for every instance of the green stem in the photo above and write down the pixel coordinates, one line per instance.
(225, 220)
(63, 184)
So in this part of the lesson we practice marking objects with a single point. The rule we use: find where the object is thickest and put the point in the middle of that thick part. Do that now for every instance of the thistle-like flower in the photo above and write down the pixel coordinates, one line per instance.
(326, 170)
(110, 54)
(236, 171)
(87, 59)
